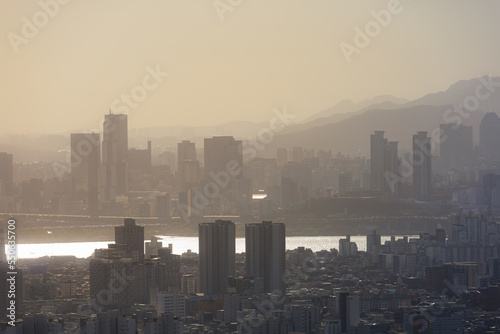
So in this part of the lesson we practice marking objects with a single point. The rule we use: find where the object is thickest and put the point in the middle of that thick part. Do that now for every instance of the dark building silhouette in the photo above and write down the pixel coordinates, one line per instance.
(301, 175)
(422, 167)
(348, 311)
(289, 191)
(217, 255)
(491, 182)
(265, 253)
(6, 174)
(282, 156)
(163, 206)
(110, 282)
(114, 156)
(130, 238)
(385, 165)
(188, 167)
(219, 151)
(456, 145)
(32, 194)
(489, 136)
(85, 164)
(186, 151)
(139, 160)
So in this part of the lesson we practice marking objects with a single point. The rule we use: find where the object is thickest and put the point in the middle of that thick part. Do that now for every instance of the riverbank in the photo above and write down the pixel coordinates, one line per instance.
(303, 228)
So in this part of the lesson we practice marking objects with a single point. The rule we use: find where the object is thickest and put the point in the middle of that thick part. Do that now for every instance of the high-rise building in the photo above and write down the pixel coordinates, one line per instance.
(491, 183)
(392, 173)
(110, 282)
(263, 172)
(373, 242)
(347, 247)
(152, 248)
(139, 160)
(6, 175)
(131, 238)
(217, 255)
(489, 136)
(282, 155)
(188, 284)
(345, 182)
(422, 172)
(221, 151)
(385, 164)
(348, 311)
(297, 155)
(265, 253)
(377, 144)
(32, 195)
(188, 167)
(456, 145)
(114, 156)
(289, 192)
(174, 303)
(85, 163)
(301, 174)
(186, 150)
(163, 209)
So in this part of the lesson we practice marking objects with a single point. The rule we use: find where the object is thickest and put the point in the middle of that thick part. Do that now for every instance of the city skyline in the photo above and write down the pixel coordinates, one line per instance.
(249, 167)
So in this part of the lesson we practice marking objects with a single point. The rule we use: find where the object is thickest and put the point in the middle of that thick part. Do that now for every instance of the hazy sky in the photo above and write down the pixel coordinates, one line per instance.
(264, 54)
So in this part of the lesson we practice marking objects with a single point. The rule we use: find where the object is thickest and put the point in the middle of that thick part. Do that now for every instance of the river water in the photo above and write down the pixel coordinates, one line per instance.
(181, 245)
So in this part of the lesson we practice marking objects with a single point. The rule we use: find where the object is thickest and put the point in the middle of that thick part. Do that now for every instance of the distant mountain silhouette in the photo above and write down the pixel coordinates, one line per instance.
(459, 91)
(347, 106)
(387, 105)
(352, 135)
(350, 132)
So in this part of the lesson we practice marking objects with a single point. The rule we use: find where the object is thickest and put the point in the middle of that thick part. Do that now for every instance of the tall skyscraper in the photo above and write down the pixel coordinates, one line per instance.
(348, 311)
(265, 253)
(85, 162)
(385, 164)
(217, 255)
(297, 155)
(456, 145)
(282, 155)
(188, 167)
(422, 167)
(186, 150)
(301, 174)
(139, 160)
(219, 151)
(392, 175)
(163, 206)
(6, 174)
(114, 156)
(489, 136)
(131, 238)
(377, 144)
(491, 182)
